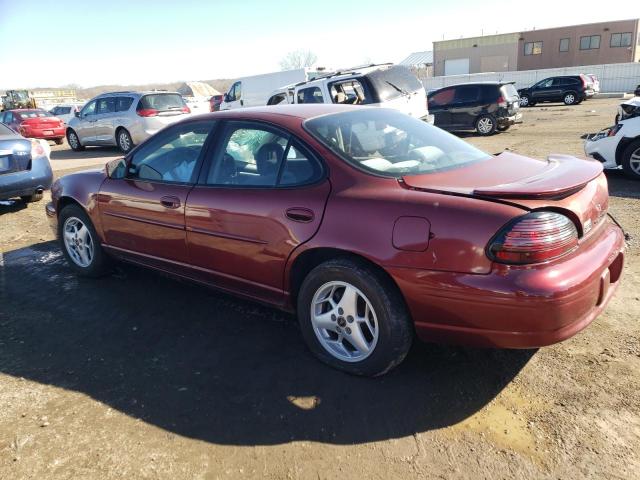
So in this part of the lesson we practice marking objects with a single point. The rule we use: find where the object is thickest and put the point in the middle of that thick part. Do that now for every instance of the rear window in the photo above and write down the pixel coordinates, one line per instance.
(5, 130)
(509, 91)
(32, 114)
(388, 143)
(162, 102)
(393, 82)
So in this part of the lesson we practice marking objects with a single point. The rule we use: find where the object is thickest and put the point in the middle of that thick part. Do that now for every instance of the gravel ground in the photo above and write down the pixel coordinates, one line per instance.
(141, 376)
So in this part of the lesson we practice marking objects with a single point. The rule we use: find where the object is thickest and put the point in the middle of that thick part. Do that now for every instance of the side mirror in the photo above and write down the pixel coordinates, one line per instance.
(116, 169)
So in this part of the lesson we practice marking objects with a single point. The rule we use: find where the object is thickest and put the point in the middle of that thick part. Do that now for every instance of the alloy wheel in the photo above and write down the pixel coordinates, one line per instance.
(78, 241)
(524, 101)
(125, 142)
(485, 125)
(634, 161)
(344, 321)
(569, 99)
(73, 140)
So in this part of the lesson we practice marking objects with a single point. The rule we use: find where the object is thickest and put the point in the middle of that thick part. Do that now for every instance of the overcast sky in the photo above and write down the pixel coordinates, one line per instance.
(89, 42)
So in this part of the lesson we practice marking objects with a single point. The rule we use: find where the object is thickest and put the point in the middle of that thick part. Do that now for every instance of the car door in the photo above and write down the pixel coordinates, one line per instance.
(465, 107)
(104, 129)
(439, 106)
(541, 91)
(142, 214)
(85, 127)
(263, 194)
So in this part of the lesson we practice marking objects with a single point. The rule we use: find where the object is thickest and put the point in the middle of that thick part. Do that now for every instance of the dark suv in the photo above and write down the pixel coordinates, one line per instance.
(483, 107)
(571, 90)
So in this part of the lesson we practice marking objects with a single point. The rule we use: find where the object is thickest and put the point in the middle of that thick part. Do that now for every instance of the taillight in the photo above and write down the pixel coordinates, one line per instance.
(186, 109)
(36, 149)
(584, 81)
(502, 102)
(535, 237)
(147, 112)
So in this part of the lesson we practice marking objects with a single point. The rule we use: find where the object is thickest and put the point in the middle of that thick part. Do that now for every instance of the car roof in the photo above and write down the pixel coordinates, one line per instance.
(303, 111)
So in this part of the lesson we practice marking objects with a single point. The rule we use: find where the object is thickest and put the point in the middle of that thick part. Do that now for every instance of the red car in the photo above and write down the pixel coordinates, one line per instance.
(34, 123)
(372, 225)
(214, 102)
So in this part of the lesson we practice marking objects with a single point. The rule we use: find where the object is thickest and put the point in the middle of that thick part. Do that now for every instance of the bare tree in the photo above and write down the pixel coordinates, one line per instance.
(298, 59)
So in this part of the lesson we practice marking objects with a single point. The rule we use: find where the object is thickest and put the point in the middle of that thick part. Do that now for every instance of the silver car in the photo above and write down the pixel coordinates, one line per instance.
(124, 118)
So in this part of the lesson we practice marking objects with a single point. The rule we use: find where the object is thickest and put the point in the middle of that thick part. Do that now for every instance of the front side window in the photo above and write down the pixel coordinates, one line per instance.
(256, 156)
(106, 105)
(89, 109)
(590, 42)
(172, 155)
(235, 93)
(620, 40)
(564, 44)
(389, 143)
(310, 95)
(533, 48)
(547, 82)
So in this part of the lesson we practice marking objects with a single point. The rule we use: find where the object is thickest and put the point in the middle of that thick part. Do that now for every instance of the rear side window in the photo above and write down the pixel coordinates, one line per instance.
(467, 93)
(310, 95)
(393, 82)
(106, 105)
(162, 102)
(123, 103)
(351, 92)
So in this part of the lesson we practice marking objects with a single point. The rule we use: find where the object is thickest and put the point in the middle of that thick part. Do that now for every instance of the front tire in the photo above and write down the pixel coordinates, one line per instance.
(353, 318)
(486, 125)
(74, 141)
(570, 98)
(80, 243)
(631, 160)
(124, 141)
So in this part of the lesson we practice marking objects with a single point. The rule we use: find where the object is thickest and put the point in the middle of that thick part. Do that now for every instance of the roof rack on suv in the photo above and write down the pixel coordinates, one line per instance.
(121, 91)
(346, 71)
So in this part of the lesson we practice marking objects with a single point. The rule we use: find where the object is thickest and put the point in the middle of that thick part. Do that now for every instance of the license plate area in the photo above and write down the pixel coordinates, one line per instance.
(48, 132)
(5, 163)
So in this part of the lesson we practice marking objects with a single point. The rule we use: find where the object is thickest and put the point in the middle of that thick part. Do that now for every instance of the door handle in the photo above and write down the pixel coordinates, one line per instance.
(242, 103)
(299, 214)
(170, 202)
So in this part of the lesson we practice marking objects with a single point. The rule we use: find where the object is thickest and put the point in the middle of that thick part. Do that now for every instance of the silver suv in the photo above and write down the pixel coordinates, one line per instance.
(124, 118)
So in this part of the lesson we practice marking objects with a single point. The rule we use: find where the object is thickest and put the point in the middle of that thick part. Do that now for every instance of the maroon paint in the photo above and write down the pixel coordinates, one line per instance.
(428, 232)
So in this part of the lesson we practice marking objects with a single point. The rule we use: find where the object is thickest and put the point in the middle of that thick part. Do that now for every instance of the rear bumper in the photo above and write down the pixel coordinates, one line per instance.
(510, 120)
(27, 182)
(45, 133)
(515, 307)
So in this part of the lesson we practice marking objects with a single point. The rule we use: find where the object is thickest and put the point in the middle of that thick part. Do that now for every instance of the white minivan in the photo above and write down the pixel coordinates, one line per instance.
(254, 91)
(386, 85)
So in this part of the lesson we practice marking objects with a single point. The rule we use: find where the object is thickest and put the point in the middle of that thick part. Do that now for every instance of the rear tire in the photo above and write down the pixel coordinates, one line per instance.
(123, 139)
(36, 197)
(486, 125)
(570, 98)
(74, 141)
(525, 101)
(80, 243)
(371, 330)
(631, 160)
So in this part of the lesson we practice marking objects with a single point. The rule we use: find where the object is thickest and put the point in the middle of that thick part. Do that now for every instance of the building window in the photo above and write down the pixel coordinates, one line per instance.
(533, 48)
(564, 44)
(590, 42)
(620, 39)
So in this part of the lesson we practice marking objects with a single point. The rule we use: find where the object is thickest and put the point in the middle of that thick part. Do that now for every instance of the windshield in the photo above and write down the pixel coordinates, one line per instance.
(389, 143)
(162, 102)
(393, 82)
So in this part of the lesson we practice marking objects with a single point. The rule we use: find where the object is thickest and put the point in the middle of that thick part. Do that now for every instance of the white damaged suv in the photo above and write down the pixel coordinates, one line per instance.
(384, 85)
(617, 146)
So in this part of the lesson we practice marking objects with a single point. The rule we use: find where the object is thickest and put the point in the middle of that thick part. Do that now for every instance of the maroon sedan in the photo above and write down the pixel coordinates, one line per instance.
(368, 223)
(35, 123)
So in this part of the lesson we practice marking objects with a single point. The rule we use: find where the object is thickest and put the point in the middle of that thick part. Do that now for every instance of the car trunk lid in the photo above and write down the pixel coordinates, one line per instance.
(42, 122)
(561, 182)
(15, 155)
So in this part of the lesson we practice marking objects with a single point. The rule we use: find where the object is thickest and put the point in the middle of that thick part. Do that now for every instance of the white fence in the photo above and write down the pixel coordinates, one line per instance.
(614, 77)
